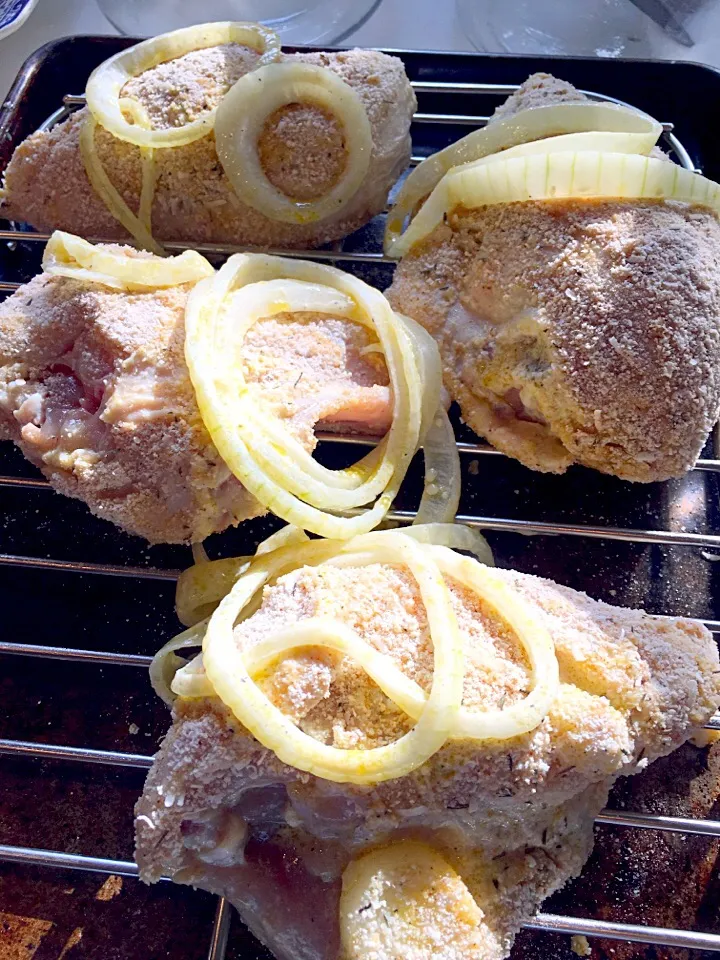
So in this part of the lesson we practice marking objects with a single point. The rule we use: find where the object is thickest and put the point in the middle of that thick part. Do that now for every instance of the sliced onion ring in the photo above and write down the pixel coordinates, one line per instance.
(558, 176)
(534, 637)
(441, 495)
(456, 536)
(139, 115)
(535, 123)
(107, 81)
(69, 256)
(201, 587)
(165, 664)
(261, 453)
(105, 189)
(230, 669)
(227, 672)
(243, 113)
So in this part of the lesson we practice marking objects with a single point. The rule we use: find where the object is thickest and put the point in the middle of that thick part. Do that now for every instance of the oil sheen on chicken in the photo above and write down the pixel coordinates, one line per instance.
(515, 818)
(576, 331)
(95, 391)
(302, 151)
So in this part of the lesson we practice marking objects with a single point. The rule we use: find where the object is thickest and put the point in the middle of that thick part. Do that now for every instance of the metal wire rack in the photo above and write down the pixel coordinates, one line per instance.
(349, 257)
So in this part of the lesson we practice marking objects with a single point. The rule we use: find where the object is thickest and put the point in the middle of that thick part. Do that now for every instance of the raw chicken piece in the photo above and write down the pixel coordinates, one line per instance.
(302, 150)
(515, 818)
(95, 391)
(576, 331)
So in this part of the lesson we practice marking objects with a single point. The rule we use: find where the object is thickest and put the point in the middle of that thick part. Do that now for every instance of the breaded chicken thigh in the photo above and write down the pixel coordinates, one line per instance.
(95, 390)
(514, 817)
(302, 151)
(576, 331)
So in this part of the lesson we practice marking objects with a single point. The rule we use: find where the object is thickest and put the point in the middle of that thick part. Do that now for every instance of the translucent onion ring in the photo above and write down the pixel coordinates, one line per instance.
(107, 81)
(69, 256)
(555, 176)
(269, 462)
(441, 496)
(228, 675)
(201, 587)
(531, 124)
(166, 665)
(224, 662)
(140, 117)
(245, 109)
(108, 193)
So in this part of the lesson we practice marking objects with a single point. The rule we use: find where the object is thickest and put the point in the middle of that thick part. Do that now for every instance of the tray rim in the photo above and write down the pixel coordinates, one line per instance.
(32, 62)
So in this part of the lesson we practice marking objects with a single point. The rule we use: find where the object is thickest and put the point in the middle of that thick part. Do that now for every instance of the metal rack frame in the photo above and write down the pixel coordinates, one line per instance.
(339, 254)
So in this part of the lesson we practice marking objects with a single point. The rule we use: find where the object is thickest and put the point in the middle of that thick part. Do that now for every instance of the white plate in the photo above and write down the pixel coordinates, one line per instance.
(13, 14)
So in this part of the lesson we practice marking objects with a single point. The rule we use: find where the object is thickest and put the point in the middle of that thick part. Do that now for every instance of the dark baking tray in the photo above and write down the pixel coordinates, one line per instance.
(88, 809)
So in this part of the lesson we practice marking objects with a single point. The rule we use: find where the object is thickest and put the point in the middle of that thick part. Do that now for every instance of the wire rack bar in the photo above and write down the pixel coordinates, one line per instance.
(220, 930)
(660, 936)
(438, 86)
(74, 655)
(25, 483)
(504, 525)
(547, 922)
(70, 861)
(477, 448)
(616, 818)
(48, 751)
(75, 566)
(655, 821)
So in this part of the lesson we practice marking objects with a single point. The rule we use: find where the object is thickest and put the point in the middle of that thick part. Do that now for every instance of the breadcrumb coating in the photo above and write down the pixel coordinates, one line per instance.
(514, 818)
(95, 390)
(576, 331)
(303, 149)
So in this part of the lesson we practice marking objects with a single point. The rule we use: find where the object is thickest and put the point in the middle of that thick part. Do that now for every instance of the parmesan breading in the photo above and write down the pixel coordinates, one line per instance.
(302, 149)
(513, 820)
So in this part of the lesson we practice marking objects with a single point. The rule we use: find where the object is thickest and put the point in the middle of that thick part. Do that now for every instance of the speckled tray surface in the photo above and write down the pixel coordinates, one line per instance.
(86, 808)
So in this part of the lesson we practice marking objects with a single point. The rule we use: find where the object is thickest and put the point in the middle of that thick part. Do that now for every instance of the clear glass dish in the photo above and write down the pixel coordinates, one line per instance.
(591, 28)
(296, 21)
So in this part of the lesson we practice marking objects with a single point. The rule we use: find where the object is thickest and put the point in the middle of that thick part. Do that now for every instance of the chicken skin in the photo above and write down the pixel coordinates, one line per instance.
(302, 151)
(576, 331)
(514, 817)
(95, 390)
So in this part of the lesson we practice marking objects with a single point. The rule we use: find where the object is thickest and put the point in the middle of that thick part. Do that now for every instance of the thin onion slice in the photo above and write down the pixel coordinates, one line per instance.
(243, 113)
(441, 495)
(600, 142)
(557, 176)
(534, 637)
(106, 82)
(268, 461)
(211, 579)
(139, 115)
(69, 256)
(535, 123)
(103, 186)
(165, 664)
(201, 587)
(456, 536)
